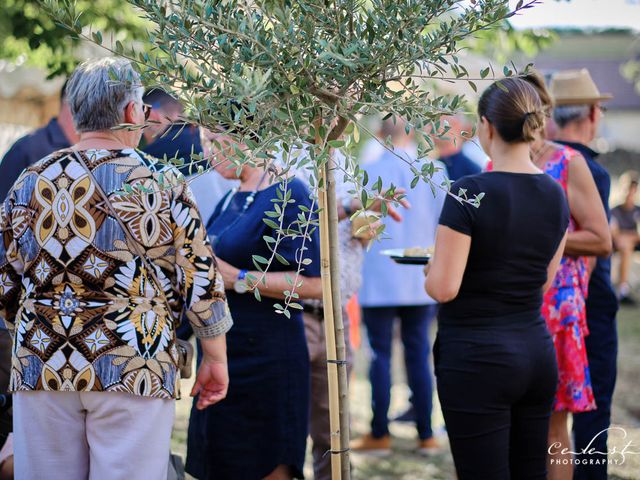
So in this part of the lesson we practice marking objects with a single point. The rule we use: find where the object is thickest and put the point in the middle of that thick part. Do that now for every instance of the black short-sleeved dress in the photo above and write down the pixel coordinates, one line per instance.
(494, 359)
(263, 421)
(514, 235)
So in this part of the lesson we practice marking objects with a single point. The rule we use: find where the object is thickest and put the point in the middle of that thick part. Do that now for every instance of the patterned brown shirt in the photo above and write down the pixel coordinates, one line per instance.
(84, 313)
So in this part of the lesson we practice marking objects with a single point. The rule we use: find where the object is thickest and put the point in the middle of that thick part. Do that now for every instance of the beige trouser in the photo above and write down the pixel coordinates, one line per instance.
(319, 429)
(91, 435)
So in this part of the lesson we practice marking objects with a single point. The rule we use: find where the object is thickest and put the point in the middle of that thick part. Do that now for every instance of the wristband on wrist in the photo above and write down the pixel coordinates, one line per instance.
(240, 286)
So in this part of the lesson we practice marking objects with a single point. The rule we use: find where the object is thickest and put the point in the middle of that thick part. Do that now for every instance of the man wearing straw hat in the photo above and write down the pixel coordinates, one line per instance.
(577, 113)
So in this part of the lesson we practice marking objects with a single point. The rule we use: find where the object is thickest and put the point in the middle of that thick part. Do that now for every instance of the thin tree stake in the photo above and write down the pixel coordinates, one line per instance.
(334, 327)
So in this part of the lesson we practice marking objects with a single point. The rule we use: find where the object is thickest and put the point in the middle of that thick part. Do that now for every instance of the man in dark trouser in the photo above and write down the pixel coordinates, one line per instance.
(577, 114)
(602, 352)
(390, 291)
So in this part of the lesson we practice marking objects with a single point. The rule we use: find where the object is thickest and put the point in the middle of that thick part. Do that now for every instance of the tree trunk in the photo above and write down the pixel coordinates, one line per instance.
(334, 327)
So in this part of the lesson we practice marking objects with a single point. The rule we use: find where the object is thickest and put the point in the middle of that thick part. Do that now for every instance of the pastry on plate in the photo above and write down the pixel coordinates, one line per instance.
(418, 252)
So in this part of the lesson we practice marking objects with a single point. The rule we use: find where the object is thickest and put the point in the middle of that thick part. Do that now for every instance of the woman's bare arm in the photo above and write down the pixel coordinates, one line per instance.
(552, 269)
(448, 264)
(275, 282)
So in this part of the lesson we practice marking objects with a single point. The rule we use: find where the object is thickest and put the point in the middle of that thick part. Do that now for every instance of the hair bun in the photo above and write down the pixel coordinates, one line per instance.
(512, 105)
(532, 123)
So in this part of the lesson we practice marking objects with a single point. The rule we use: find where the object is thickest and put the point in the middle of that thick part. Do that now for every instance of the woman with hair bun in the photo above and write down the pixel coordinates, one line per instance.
(494, 357)
(563, 307)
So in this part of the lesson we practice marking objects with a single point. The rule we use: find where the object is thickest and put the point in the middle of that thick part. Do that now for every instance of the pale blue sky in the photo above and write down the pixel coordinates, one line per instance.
(580, 13)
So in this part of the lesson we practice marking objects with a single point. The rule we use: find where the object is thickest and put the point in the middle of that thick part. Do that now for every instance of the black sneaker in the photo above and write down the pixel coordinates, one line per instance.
(628, 301)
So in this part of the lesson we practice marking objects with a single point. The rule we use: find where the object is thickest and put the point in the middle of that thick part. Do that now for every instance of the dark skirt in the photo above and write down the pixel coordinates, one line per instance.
(263, 421)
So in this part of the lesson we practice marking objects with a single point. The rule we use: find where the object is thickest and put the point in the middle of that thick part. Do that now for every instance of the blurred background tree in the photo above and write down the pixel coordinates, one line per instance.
(505, 42)
(30, 36)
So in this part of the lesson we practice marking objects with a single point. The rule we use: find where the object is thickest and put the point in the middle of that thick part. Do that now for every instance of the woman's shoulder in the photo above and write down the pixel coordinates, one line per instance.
(563, 154)
(498, 180)
(548, 181)
(295, 189)
(567, 151)
(468, 187)
(552, 192)
(474, 182)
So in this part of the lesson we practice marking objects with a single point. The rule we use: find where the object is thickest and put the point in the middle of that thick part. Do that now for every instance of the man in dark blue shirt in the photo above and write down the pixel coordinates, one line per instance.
(450, 151)
(577, 114)
(166, 135)
(459, 165)
(57, 134)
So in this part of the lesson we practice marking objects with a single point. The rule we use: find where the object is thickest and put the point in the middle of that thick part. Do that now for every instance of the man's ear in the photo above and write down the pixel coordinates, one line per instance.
(129, 113)
(593, 111)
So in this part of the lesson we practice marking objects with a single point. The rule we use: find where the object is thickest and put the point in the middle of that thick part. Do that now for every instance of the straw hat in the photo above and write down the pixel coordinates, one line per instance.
(575, 87)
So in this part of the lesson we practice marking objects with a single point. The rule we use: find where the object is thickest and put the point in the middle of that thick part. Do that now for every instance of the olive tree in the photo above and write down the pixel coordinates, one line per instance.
(304, 74)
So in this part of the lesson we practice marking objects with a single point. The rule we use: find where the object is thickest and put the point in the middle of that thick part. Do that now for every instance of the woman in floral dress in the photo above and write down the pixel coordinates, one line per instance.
(564, 307)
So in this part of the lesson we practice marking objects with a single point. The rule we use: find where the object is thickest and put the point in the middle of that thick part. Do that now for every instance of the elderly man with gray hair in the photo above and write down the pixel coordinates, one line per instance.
(577, 113)
(97, 261)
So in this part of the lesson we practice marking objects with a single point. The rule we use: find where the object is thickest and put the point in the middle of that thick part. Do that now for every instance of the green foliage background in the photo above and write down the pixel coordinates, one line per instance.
(29, 35)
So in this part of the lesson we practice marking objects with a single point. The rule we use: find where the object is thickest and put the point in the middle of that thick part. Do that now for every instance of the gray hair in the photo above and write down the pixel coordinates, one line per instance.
(566, 114)
(98, 92)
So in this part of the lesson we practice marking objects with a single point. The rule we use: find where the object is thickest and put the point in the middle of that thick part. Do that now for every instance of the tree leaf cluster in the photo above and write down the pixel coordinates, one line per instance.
(297, 77)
